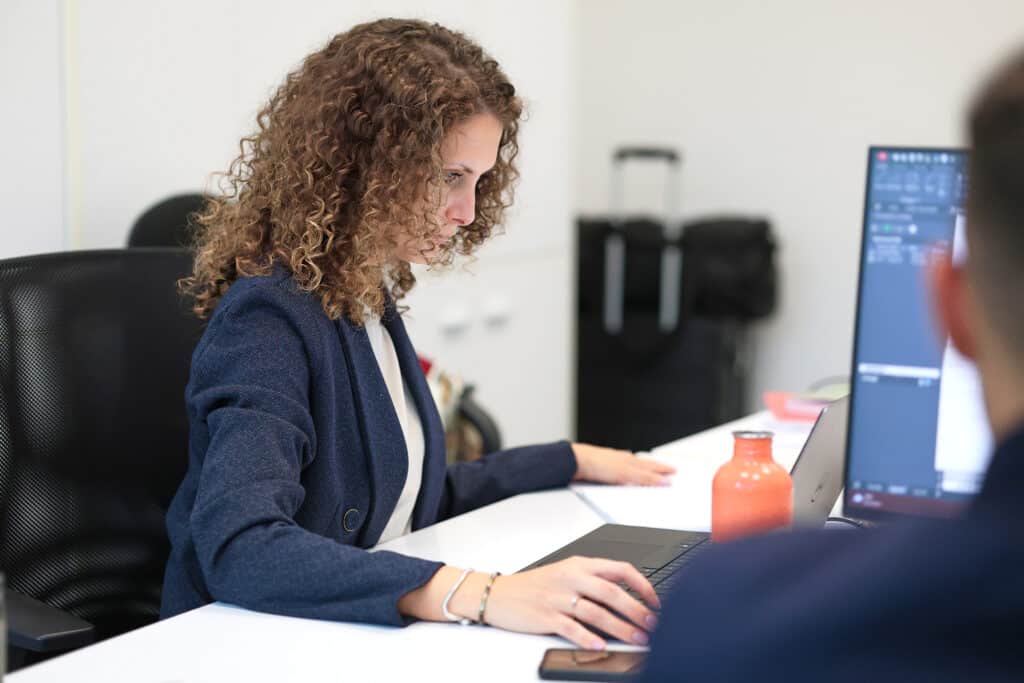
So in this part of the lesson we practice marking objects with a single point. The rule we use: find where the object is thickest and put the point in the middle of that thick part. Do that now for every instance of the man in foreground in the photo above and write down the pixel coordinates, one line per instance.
(922, 601)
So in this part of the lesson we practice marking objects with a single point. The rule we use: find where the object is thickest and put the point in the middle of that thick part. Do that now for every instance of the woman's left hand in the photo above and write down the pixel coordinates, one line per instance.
(610, 466)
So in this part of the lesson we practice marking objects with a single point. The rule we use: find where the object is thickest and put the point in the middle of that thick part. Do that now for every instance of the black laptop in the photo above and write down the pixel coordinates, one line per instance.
(661, 554)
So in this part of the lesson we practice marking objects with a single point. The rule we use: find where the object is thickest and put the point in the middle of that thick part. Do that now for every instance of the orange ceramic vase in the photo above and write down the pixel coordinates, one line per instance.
(751, 493)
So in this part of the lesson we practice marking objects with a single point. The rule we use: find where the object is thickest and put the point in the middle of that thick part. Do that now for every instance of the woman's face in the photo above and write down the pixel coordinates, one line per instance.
(469, 151)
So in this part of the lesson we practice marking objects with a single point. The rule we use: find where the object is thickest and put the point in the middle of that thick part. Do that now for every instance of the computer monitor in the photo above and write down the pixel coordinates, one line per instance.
(918, 442)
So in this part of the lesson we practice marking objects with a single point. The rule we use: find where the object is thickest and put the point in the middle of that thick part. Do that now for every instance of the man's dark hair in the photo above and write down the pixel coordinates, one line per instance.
(995, 210)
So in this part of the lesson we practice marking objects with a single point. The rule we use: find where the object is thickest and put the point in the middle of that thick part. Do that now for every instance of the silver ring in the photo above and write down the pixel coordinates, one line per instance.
(572, 605)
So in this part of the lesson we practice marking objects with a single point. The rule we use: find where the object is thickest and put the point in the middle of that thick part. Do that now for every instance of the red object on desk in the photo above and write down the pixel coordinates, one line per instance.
(751, 493)
(786, 405)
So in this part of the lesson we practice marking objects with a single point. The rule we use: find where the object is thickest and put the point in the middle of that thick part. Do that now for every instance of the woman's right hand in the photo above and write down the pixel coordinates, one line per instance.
(565, 597)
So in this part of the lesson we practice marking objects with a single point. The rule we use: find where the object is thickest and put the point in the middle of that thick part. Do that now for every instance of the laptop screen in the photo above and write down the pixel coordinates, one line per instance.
(918, 441)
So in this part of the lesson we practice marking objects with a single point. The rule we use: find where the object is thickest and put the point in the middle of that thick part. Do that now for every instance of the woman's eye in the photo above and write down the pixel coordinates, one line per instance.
(451, 176)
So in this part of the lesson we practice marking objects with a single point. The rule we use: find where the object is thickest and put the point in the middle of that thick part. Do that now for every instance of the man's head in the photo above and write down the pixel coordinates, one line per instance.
(982, 303)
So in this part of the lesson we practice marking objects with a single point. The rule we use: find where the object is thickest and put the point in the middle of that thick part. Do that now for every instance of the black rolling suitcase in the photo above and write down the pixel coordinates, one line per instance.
(647, 371)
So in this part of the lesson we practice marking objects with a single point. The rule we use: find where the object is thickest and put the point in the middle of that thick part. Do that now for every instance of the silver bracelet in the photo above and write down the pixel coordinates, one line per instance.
(483, 598)
(465, 621)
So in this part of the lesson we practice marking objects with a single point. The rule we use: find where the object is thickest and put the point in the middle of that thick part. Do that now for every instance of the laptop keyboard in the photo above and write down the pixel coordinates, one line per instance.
(664, 578)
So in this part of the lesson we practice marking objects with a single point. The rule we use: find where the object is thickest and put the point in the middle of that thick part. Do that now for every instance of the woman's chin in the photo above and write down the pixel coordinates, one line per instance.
(412, 255)
(428, 256)
(423, 258)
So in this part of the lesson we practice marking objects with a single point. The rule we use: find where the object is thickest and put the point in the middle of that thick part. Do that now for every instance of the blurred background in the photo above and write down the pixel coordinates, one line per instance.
(110, 106)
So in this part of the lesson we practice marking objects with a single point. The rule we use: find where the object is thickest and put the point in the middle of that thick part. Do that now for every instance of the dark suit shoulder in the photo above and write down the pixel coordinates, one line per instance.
(276, 289)
(803, 605)
(271, 311)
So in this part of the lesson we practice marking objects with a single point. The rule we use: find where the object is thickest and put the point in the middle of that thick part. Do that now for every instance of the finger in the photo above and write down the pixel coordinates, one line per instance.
(645, 477)
(659, 467)
(573, 631)
(653, 466)
(635, 473)
(614, 597)
(592, 613)
(624, 572)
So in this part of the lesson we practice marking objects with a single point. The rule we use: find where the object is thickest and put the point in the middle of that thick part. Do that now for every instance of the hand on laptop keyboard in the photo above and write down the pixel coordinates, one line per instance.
(575, 597)
(664, 578)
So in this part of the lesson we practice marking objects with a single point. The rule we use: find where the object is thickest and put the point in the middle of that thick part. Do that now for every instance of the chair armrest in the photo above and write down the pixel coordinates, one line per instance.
(36, 626)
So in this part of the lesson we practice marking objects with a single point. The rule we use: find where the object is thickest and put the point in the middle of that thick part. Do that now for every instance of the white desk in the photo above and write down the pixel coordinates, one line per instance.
(220, 643)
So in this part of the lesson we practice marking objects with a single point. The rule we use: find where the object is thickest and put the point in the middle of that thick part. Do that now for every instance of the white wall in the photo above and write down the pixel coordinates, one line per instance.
(167, 90)
(774, 105)
(31, 119)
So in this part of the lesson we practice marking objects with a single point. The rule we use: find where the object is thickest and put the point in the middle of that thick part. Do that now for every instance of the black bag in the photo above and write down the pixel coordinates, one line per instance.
(730, 268)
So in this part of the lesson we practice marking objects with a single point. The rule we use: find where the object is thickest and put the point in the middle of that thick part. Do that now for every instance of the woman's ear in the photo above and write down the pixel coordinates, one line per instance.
(951, 302)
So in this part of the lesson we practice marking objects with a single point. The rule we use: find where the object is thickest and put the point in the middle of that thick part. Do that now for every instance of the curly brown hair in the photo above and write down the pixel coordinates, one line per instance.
(347, 156)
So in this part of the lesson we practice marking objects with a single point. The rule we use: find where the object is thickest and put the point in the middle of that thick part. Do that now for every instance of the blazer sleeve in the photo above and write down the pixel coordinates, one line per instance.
(251, 386)
(506, 473)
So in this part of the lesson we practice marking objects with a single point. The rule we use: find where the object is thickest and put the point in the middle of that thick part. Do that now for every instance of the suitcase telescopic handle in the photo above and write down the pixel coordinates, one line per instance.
(672, 158)
(666, 153)
(615, 244)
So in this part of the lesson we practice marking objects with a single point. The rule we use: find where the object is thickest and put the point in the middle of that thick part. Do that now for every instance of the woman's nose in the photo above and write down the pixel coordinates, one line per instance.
(461, 209)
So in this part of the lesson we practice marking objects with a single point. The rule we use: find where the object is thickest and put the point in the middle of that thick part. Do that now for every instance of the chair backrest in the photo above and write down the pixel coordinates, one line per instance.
(474, 416)
(166, 223)
(95, 350)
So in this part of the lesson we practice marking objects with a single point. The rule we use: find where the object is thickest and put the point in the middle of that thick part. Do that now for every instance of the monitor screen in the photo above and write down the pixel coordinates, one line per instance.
(918, 441)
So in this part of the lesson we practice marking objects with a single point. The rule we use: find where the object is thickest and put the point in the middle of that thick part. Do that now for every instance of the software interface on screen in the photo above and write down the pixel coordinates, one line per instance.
(918, 441)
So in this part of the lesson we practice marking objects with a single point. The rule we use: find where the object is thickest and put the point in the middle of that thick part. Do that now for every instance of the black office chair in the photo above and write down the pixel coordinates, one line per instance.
(167, 223)
(95, 348)
(469, 430)
(476, 417)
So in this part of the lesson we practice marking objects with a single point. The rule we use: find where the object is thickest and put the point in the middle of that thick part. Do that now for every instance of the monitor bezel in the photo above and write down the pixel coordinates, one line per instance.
(856, 511)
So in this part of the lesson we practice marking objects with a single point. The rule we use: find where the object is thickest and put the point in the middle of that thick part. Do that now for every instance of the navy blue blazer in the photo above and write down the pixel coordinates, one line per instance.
(297, 459)
(923, 601)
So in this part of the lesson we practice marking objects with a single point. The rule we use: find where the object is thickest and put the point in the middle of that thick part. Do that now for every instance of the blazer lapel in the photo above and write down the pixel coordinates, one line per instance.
(387, 457)
(434, 451)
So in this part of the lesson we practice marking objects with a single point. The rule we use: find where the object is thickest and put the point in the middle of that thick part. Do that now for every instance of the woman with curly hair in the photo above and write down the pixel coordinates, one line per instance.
(313, 433)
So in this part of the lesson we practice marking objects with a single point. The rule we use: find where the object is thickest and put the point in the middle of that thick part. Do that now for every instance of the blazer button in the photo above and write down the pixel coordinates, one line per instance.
(351, 520)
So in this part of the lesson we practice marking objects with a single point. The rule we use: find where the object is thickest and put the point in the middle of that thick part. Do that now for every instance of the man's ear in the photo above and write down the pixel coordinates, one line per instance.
(951, 302)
